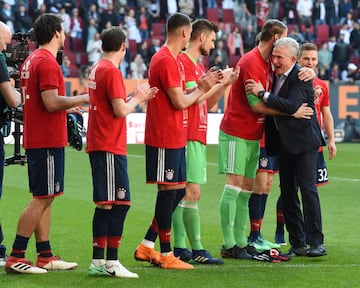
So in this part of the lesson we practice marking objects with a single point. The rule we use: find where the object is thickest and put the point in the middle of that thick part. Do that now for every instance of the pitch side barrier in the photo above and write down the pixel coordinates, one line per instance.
(344, 99)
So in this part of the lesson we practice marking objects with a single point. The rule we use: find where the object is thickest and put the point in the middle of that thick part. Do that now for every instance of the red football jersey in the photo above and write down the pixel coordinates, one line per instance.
(321, 101)
(42, 129)
(239, 120)
(165, 127)
(106, 131)
(197, 112)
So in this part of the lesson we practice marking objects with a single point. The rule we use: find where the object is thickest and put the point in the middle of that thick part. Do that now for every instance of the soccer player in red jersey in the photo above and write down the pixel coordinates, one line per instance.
(240, 132)
(166, 138)
(45, 136)
(186, 219)
(106, 145)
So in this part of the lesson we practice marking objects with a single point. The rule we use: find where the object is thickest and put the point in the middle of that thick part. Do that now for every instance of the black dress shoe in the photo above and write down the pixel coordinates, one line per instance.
(317, 251)
(300, 251)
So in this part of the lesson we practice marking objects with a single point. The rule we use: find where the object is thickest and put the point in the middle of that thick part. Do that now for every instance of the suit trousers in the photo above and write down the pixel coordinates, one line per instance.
(299, 171)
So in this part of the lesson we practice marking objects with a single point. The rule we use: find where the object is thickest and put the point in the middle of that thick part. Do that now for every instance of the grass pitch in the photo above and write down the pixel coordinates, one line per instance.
(72, 216)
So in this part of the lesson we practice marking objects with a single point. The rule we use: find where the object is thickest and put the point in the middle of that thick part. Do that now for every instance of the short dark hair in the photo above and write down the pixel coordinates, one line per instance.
(202, 25)
(177, 20)
(307, 47)
(45, 27)
(257, 39)
(271, 28)
(112, 38)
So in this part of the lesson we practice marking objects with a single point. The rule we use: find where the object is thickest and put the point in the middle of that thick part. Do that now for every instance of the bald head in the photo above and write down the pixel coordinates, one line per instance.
(4, 28)
(5, 36)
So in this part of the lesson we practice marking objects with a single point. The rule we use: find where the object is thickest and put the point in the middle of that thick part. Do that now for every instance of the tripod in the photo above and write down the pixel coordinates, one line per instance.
(17, 158)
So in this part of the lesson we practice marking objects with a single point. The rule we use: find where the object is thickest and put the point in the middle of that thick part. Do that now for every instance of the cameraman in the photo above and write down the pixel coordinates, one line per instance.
(45, 137)
(9, 97)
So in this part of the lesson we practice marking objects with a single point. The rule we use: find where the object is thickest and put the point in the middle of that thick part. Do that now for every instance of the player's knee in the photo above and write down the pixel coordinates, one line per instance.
(192, 195)
(120, 209)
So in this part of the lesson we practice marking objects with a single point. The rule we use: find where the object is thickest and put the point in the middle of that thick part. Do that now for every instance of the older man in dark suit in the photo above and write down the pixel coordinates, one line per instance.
(296, 142)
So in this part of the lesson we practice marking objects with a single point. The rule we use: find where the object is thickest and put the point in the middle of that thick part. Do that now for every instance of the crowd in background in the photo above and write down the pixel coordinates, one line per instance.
(144, 23)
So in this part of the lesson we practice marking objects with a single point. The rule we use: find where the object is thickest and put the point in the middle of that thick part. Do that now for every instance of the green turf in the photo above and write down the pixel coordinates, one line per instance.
(72, 216)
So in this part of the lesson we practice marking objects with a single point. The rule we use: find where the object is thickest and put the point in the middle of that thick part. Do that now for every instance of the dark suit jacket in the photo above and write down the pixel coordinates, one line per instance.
(297, 135)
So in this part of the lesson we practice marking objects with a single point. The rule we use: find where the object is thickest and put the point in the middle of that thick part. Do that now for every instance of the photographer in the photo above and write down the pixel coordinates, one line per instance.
(45, 103)
(8, 97)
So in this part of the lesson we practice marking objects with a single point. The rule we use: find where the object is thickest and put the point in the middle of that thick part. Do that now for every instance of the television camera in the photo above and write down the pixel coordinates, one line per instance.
(16, 53)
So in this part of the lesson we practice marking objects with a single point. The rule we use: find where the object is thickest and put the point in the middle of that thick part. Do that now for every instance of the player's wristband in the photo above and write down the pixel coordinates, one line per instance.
(261, 94)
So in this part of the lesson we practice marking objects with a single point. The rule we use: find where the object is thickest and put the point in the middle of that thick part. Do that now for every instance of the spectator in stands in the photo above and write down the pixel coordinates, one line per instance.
(76, 27)
(274, 9)
(349, 128)
(31, 8)
(132, 28)
(322, 74)
(91, 29)
(167, 8)
(262, 12)
(144, 22)
(65, 66)
(154, 10)
(84, 76)
(70, 4)
(39, 11)
(341, 53)
(304, 11)
(138, 67)
(154, 47)
(355, 39)
(235, 42)
(350, 75)
(222, 33)
(216, 62)
(104, 5)
(356, 7)
(125, 64)
(248, 36)
(120, 8)
(200, 8)
(345, 6)
(239, 14)
(186, 7)
(319, 12)
(66, 21)
(54, 6)
(108, 15)
(297, 35)
(219, 56)
(249, 7)
(335, 74)
(93, 13)
(7, 16)
(331, 43)
(331, 7)
(308, 32)
(349, 20)
(93, 49)
(345, 30)
(143, 51)
(324, 58)
(289, 7)
(23, 21)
